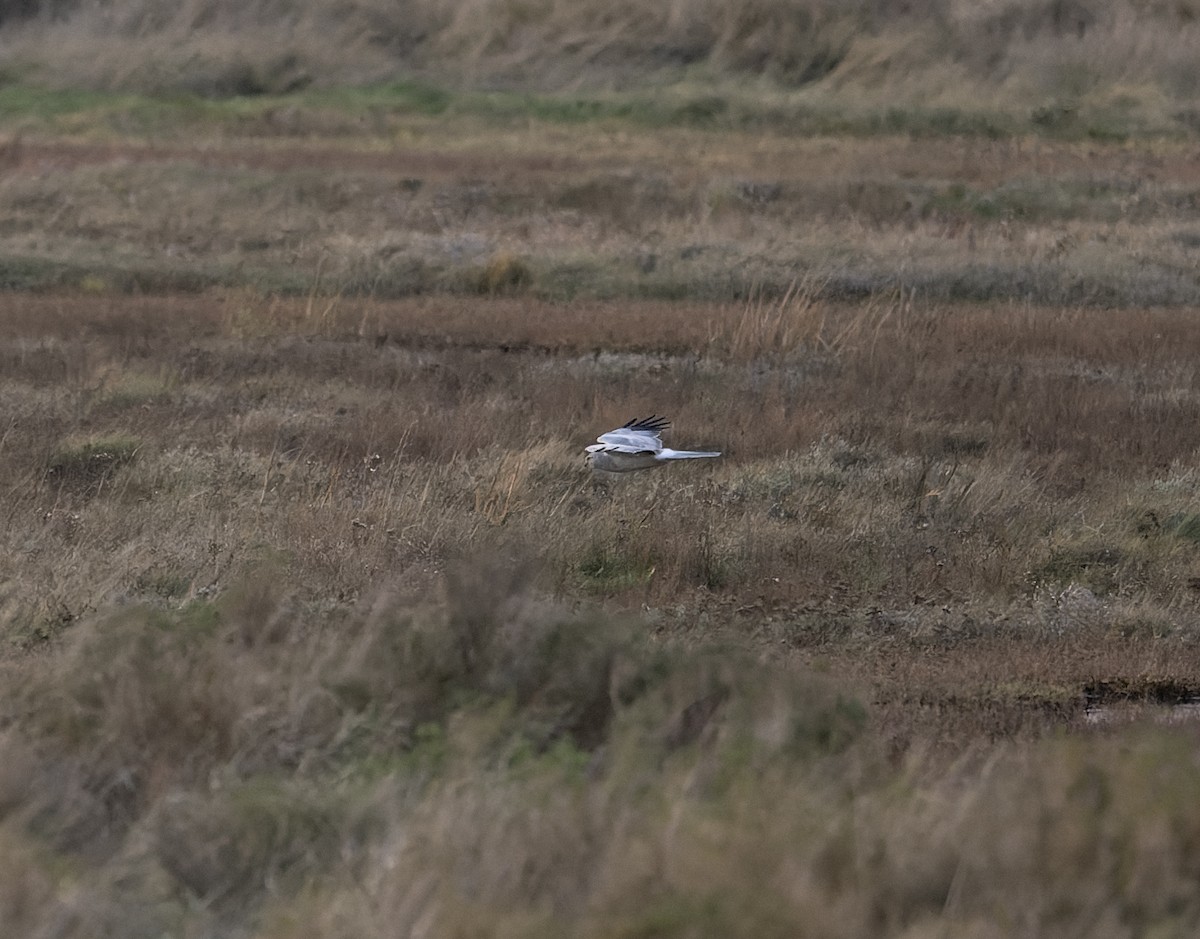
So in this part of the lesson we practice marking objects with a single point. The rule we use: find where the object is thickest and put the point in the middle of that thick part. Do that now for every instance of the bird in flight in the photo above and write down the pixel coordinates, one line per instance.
(636, 446)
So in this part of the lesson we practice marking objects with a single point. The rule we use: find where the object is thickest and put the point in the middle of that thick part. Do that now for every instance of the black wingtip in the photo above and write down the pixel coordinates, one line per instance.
(652, 423)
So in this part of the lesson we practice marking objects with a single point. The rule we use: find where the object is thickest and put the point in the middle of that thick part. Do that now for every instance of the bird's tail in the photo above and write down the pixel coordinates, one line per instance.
(666, 454)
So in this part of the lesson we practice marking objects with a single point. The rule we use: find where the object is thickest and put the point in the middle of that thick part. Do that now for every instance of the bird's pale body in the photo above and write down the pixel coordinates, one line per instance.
(638, 446)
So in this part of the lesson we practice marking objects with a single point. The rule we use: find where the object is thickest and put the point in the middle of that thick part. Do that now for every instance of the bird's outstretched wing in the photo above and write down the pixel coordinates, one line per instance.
(637, 446)
(637, 436)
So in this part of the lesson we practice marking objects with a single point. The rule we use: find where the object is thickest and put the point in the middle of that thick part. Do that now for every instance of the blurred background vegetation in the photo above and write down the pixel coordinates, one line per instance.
(1117, 64)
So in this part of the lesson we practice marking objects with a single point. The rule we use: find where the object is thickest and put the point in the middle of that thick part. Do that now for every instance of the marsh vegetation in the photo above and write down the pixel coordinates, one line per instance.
(312, 621)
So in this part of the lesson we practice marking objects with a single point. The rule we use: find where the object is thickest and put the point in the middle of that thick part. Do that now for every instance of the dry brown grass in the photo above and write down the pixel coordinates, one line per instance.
(687, 216)
(867, 675)
(957, 459)
(1125, 62)
(253, 768)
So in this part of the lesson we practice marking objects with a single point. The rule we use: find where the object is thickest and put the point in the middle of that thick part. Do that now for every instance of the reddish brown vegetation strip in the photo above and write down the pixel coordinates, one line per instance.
(981, 162)
(41, 157)
(1057, 339)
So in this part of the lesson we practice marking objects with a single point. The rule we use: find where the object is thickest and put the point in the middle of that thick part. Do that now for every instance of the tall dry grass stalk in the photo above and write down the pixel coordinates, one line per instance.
(775, 329)
(800, 323)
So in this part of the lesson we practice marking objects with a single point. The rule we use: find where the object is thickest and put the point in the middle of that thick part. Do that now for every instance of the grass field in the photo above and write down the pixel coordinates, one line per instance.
(313, 622)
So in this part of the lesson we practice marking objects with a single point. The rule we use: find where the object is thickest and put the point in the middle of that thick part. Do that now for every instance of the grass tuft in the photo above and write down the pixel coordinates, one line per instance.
(91, 463)
(504, 273)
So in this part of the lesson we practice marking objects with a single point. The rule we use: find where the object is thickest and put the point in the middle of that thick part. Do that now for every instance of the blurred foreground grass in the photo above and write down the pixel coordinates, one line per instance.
(490, 762)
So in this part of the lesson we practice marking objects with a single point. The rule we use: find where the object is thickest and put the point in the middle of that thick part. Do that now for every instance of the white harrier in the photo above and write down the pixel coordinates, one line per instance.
(637, 446)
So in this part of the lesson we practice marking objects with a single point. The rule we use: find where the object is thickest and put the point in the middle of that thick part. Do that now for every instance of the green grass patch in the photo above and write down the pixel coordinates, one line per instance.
(1093, 566)
(246, 108)
(605, 568)
(162, 584)
(93, 461)
(31, 102)
(1185, 525)
(407, 97)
